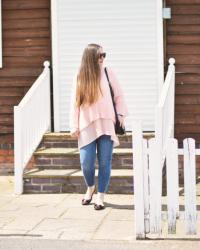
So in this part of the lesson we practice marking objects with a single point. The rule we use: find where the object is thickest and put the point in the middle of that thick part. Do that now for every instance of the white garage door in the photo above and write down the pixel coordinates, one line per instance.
(131, 34)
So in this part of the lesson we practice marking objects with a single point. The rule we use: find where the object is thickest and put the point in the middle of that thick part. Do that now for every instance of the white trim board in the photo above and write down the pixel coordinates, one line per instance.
(160, 48)
(54, 52)
(1, 49)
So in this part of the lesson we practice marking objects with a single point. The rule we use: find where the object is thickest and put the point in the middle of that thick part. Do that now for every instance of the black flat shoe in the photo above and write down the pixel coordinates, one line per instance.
(98, 207)
(87, 202)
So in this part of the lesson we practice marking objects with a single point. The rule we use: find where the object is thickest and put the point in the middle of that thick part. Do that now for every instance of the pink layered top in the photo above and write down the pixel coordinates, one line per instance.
(99, 118)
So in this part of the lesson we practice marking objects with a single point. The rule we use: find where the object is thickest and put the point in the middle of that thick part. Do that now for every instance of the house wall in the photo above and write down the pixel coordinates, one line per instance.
(183, 43)
(26, 45)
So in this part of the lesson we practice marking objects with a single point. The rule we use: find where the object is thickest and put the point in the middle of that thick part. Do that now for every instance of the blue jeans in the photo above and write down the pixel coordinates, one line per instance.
(104, 146)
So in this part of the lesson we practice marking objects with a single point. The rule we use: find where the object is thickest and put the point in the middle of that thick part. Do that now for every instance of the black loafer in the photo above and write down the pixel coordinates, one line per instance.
(87, 202)
(98, 207)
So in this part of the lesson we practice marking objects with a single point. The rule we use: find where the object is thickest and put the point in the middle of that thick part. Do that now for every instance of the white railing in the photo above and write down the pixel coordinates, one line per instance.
(164, 111)
(32, 118)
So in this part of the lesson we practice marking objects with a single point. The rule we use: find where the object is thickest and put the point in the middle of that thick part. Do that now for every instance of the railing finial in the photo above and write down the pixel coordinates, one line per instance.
(46, 64)
(172, 61)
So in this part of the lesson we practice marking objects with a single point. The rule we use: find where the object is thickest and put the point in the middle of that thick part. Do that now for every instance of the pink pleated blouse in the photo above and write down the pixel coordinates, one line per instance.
(99, 118)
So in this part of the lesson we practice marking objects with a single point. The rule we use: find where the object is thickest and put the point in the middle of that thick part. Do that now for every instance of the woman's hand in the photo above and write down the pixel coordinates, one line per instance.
(121, 120)
(75, 134)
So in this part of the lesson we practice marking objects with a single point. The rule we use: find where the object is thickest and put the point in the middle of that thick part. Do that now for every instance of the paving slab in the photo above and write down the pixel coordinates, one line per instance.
(115, 230)
(6, 185)
(42, 234)
(87, 213)
(86, 236)
(24, 222)
(5, 220)
(69, 225)
(121, 215)
(41, 199)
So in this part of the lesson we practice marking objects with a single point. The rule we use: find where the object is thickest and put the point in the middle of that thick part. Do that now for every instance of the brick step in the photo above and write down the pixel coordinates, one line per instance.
(62, 140)
(72, 181)
(66, 158)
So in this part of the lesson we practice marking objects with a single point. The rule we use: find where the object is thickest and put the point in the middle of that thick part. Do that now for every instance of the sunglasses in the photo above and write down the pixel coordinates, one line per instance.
(102, 55)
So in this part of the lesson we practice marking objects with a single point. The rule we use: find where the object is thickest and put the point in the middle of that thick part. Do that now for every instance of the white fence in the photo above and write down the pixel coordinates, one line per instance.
(148, 184)
(32, 118)
(149, 157)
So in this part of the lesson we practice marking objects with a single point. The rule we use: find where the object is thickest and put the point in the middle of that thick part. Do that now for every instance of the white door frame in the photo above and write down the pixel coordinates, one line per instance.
(54, 53)
(160, 50)
(54, 37)
(1, 27)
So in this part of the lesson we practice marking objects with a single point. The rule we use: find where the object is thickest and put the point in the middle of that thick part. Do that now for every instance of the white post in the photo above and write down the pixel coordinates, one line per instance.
(137, 141)
(48, 94)
(172, 184)
(172, 68)
(146, 186)
(155, 181)
(18, 166)
(190, 185)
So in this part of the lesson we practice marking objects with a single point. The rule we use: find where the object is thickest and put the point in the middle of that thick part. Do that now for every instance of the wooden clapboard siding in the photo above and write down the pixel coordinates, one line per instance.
(24, 4)
(21, 42)
(11, 91)
(183, 2)
(183, 43)
(31, 23)
(26, 45)
(17, 81)
(22, 14)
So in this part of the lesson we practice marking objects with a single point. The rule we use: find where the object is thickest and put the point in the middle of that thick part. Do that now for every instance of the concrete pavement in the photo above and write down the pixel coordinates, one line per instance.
(61, 217)
(26, 244)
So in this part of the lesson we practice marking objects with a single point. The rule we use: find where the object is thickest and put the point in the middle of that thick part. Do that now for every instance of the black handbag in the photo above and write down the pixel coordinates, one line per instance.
(119, 130)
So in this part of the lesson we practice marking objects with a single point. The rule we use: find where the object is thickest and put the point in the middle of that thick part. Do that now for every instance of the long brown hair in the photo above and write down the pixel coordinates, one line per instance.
(88, 79)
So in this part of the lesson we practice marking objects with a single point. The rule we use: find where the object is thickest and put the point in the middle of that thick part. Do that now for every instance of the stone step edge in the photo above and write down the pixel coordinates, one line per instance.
(67, 135)
(75, 151)
(72, 173)
(75, 167)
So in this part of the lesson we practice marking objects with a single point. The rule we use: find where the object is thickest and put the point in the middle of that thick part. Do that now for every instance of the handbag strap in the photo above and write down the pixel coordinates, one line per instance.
(111, 92)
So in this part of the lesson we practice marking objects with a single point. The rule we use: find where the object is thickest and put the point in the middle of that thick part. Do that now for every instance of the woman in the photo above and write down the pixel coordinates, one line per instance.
(92, 120)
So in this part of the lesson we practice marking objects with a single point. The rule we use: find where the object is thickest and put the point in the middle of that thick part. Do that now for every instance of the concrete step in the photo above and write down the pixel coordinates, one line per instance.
(54, 140)
(68, 158)
(72, 181)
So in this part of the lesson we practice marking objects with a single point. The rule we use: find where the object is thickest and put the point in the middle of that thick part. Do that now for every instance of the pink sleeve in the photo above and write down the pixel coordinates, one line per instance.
(74, 111)
(121, 106)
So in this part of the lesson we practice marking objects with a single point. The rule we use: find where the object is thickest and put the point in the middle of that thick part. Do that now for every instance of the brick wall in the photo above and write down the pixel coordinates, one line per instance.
(7, 159)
